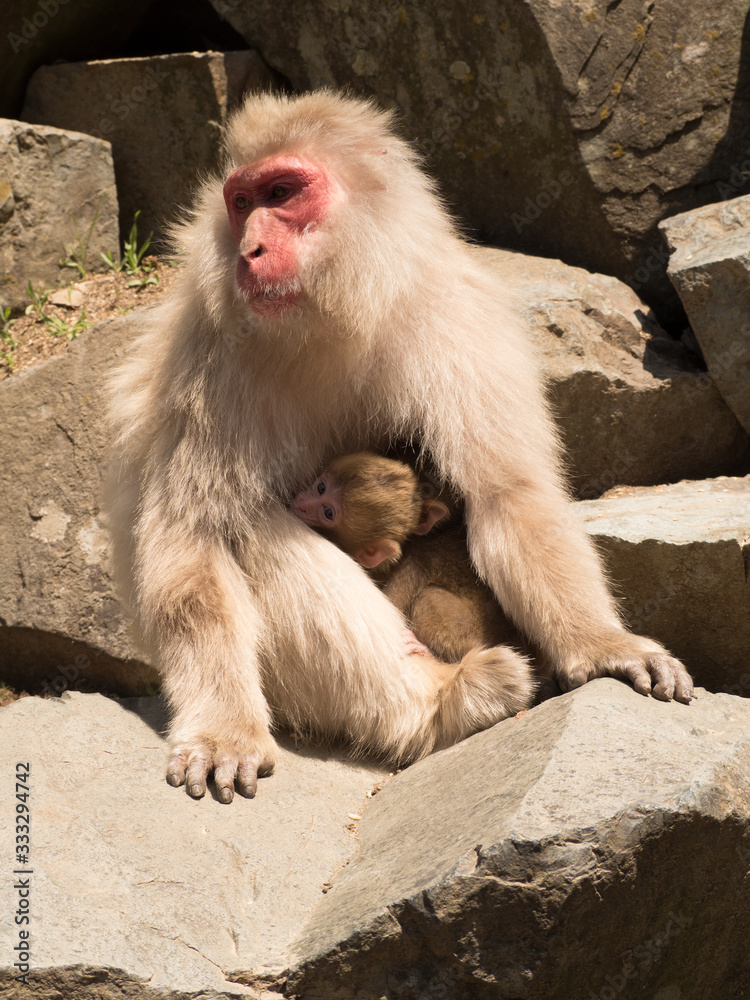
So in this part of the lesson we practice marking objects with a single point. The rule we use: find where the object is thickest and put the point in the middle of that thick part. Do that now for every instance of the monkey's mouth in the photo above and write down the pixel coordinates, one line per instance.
(267, 298)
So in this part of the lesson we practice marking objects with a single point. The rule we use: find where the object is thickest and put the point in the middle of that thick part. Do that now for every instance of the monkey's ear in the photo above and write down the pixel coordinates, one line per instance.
(375, 553)
(432, 512)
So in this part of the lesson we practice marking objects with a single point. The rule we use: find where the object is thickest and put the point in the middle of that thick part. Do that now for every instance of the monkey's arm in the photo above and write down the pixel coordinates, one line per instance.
(196, 612)
(525, 537)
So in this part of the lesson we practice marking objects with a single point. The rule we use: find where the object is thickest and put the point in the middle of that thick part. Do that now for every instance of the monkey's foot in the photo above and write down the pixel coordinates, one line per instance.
(649, 667)
(487, 686)
(192, 761)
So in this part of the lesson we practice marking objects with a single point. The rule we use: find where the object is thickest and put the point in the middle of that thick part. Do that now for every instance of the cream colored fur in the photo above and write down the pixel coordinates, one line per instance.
(402, 333)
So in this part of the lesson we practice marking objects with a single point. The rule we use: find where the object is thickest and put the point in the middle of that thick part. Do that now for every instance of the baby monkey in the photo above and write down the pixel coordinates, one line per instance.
(374, 509)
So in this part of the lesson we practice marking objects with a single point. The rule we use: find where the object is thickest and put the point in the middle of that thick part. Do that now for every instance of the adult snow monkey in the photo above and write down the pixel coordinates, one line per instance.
(329, 305)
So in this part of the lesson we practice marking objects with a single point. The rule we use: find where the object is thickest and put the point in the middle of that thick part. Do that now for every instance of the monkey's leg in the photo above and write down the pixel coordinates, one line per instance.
(456, 628)
(334, 657)
(449, 625)
(484, 680)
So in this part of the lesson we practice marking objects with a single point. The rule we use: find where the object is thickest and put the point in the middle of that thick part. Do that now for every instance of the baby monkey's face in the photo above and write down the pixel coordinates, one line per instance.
(320, 505)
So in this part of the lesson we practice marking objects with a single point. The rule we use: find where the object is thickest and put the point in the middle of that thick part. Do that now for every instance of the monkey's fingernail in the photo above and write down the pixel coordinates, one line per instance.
(226, 795)
(196, 791)
(174, 780)
(248, 791)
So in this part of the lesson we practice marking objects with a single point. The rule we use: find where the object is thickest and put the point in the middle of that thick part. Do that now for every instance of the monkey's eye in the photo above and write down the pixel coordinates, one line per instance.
(280, 191)
(328, 513)
(320, 486)
(241, 202)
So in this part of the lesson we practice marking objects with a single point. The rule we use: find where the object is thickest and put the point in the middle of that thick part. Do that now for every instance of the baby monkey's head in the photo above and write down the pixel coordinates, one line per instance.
(368, 505)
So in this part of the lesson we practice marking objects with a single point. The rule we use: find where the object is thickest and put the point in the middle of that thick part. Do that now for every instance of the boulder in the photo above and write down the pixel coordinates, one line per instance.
(679, 558)
(567, 130)
(632, 405)
(56, 188)
(37, 31)
(60, 620)
(710, 268)
(135, 885)
(566, 852)
(162, 114)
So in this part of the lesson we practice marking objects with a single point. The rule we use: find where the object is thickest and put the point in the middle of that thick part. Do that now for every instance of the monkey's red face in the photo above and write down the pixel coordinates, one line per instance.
(320, 506)
(276, 208)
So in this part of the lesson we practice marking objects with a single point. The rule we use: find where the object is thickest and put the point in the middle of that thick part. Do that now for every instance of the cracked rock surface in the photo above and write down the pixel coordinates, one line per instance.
(600, 837)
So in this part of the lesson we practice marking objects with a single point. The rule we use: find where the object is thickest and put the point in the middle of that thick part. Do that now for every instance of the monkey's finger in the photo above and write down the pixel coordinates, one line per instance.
(224, 773)
(248, 772)
(638, 675)
(672, 680)
(683, 684)
(247, 777)
(197, 772)
(663, 678)
(176, 769)
(574, 678)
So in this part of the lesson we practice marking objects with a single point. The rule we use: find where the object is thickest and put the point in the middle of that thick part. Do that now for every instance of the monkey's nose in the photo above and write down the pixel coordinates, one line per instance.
(258, 251)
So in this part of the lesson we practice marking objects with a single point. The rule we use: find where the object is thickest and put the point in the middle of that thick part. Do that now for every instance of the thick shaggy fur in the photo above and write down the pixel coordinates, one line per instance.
(401, 333)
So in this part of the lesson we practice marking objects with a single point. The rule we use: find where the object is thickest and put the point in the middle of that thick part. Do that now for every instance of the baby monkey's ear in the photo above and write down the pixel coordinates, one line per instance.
(375, 553)
(432, 512)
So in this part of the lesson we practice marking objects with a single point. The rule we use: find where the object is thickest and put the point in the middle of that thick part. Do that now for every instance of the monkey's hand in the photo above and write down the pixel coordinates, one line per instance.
(649, 667)
(235, 763)
(413, 645)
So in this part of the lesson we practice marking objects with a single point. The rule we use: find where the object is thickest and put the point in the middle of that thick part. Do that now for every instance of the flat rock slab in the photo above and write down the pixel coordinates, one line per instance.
(130, 874)
(679, 556)
(596, 846)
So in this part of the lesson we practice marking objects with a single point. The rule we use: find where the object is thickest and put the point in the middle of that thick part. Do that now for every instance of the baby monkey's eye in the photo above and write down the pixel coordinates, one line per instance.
(320, 487)
(328, 513)
(241, 202)
(280, 191)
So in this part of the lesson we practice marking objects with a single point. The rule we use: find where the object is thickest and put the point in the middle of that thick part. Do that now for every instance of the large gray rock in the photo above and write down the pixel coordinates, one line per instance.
(60, 621)
(565, 129)
(55, 186)
(593, 844)
(679, 557)
(566, 853)
(137, 885)
(710, 268)
(632, 405)
(163, 116)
